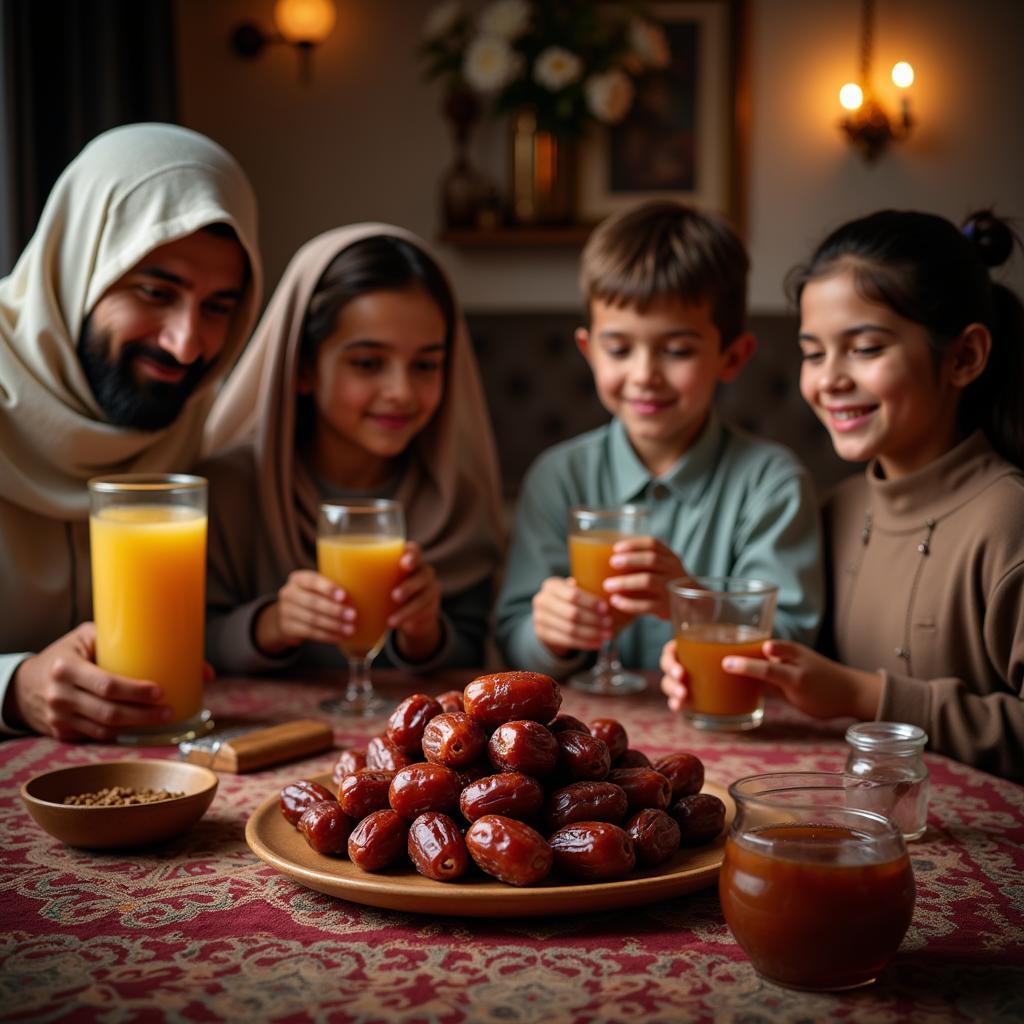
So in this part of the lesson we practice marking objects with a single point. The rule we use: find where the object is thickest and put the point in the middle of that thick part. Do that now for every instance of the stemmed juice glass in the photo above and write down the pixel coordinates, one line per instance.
(359, 545)
(147, 538)
(593, 533)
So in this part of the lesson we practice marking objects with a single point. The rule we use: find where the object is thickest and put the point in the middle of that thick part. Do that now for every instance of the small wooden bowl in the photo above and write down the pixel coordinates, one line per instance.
(104, 828)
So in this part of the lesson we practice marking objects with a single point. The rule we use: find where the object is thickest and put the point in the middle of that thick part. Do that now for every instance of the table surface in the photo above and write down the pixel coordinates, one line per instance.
(199, 929)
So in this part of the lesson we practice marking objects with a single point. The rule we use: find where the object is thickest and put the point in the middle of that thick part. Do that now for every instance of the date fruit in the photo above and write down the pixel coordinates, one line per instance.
(423, 787)
(701, 818)
(297, 796)
(655, 836)
(364, 791)
(509, 850)
(453, 739)
(409, 719)
(388, 755)
(586, 801)
(523, 746)
(510, 794)
(326, 827)
(593, 851)
(437, 847)
(567, 723)
(451, 700)
(613, 733)
(349, 761)
(633, 758)
(684, 771)
(644, 787)
(582, 756)
(378, 841)
(502, 697)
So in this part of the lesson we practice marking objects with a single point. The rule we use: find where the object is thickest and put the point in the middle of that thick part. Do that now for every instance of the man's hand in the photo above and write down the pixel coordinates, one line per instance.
(61, 692)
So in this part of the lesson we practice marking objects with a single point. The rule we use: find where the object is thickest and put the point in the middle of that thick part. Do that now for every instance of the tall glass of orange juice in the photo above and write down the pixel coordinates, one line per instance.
(714, 617)
(147, 536)
(593, 533)
(359, 545)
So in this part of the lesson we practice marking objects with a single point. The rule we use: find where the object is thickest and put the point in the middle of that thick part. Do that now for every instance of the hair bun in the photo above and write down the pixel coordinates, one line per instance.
(992, 238)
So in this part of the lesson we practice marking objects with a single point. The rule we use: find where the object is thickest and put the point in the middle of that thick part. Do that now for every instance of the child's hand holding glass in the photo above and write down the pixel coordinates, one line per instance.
(417, 615)
(567, 618)
(646, 566)
(814, 684)
(308, 607)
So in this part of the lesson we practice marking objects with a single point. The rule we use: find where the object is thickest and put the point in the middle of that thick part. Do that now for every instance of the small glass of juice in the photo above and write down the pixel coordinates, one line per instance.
(715, 617)
(147, 539)
(359, 545)
(818, 893)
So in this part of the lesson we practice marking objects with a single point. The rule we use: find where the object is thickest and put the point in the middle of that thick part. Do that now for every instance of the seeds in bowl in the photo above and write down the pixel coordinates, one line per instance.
(120, 796)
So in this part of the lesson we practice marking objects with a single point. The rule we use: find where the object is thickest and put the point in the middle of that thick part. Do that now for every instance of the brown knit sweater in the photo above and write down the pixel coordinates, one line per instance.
(927, 584)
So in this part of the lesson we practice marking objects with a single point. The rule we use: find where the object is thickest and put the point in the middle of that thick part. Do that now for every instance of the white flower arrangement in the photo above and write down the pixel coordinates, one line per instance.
(568, 60)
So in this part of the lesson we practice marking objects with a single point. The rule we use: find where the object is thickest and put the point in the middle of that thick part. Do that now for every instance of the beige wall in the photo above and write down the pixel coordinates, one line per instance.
(364, 140)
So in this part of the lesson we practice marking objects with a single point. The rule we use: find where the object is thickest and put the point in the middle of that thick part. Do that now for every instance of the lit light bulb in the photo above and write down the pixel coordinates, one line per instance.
(304, 21)
(902, 74)
(851, 96)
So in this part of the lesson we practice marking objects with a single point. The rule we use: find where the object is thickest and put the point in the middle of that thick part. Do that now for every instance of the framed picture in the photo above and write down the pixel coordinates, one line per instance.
(679, 138)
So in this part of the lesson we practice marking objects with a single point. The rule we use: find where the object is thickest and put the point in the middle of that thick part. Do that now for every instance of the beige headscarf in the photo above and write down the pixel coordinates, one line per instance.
(450, 489)
(130, 190)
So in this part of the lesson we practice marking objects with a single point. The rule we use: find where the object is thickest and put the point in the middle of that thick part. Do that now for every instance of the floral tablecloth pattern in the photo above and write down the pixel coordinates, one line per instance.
(199, 929)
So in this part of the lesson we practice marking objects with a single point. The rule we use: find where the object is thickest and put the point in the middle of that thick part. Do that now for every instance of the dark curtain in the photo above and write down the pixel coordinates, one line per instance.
(69, 70)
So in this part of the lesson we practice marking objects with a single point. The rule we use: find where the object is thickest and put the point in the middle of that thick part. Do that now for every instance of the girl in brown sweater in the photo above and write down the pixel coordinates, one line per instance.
(914, 361)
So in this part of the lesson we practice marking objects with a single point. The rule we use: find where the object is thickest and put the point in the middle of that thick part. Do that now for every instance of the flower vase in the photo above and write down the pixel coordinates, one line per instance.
(463, 188)
(543, 173)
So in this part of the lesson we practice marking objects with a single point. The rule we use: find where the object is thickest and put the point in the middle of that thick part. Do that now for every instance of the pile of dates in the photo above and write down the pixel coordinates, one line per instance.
(495, 776)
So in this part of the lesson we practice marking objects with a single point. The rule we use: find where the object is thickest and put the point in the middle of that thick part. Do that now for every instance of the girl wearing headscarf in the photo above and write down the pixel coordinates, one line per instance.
(132, 191)
(360, 382)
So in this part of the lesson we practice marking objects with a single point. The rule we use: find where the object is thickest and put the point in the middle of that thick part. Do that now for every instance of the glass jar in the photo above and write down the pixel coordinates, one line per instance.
(889, 755)
(818, 893)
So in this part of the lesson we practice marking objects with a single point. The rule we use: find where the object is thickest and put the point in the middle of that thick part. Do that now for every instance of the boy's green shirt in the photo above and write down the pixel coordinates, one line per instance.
(731, 506)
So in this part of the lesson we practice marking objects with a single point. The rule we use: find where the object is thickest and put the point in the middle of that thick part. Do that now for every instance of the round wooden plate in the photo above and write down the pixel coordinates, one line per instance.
(281, 845)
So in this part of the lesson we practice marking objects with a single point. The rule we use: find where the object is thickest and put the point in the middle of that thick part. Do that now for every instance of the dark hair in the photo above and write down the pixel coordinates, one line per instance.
(660, 249)
(381, 262)
(927, 270)
(221, 229)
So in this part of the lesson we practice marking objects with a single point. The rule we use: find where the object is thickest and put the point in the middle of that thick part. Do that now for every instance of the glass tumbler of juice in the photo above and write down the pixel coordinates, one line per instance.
(147, 537)
(818, 893)
(359, 545)
(715, 617)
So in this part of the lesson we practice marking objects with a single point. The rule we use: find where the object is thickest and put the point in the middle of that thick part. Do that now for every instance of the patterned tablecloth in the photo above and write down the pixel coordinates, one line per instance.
(200, 930)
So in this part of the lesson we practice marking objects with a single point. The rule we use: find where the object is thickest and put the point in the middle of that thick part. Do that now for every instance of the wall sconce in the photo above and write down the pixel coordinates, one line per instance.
(868, 126)
(303, 24)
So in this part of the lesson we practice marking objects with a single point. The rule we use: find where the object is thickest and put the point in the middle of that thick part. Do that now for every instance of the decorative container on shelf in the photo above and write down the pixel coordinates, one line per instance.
(553, 68)
(543, 173)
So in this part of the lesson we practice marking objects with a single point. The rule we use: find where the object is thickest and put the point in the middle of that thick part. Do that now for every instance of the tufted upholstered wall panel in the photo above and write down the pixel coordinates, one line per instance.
(540, 391)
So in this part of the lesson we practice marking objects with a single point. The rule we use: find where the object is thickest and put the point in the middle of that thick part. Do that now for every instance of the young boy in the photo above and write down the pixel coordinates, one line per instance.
(665, 287)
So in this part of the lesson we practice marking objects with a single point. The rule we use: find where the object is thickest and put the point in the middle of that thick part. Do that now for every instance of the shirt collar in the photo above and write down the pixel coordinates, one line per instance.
(634, 481)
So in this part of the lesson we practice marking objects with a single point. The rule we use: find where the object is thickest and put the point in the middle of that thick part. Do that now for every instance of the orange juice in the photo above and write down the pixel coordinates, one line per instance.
(711, 690)
(148, 586)
(365, 566)
(589, 557)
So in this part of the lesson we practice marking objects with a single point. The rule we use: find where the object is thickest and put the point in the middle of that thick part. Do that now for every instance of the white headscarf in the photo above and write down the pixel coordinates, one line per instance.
(130, 190)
